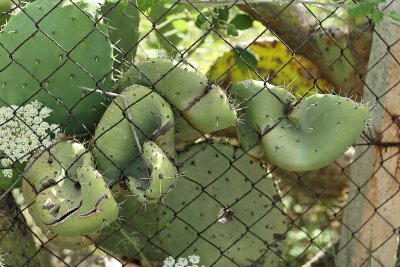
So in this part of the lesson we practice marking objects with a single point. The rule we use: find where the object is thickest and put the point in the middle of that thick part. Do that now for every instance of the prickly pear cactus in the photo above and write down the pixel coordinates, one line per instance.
(300, 136)
(135, 140)
(66, 195)
(225, 208)
(68, 54)
(17, 247)
(187, 90)
(122, 19)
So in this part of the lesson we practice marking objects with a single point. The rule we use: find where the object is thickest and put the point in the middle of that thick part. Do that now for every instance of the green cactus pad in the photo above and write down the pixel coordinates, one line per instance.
(163, 174)
(225, 208)
(70, 197)
(52, 63)
(301, 136)
(122, 19)
(187, 90)
(248, 138)
(115, 147)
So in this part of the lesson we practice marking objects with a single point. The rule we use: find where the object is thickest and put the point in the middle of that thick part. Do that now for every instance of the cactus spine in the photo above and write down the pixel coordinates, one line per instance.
(122, 19)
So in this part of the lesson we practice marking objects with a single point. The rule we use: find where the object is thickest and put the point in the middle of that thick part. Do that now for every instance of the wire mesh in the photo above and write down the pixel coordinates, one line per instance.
(284, 218)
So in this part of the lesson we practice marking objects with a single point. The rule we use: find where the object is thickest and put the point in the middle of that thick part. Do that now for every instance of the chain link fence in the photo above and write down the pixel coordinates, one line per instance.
(125, 140)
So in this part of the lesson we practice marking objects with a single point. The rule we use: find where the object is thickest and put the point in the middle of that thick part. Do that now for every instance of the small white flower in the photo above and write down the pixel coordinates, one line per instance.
(45, 112)
(169, 262)
(22, 131)
(7, 173)
(181, 262)
(194, 259)
(6, 162)
(37, 120)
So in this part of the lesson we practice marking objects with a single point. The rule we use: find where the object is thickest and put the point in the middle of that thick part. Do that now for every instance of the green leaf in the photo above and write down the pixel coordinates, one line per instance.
(232, 30)
(145, 5)
(200, 19)
(377, 15)
(361, 9)
(223, 13)
(395, 15)
(246, 56)
(242, 21)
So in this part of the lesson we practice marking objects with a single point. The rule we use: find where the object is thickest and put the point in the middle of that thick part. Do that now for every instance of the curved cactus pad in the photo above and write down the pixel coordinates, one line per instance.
(70, 197)
(54, 62)
(118, 151)
(225, 208)
(187, 90)
(162, 175)
(305, 135)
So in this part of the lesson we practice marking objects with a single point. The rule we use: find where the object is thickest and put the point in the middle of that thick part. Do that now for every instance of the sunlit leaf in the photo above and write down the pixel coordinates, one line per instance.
(232, 30)
(242, 21)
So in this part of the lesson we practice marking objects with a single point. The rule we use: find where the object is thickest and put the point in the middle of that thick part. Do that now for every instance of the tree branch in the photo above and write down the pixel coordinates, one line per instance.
(340, 53)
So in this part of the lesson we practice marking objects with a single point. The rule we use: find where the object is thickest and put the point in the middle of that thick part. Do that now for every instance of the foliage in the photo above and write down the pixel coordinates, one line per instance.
(218, 19)
(200, 38)
(270, 59)
(372, 9)
(315, 228)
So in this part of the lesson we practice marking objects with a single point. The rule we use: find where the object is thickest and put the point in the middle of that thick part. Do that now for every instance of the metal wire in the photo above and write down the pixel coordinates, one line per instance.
(330, 196)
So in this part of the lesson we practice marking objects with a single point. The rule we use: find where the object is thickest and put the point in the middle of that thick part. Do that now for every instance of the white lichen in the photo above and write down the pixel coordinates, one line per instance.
(23, 130)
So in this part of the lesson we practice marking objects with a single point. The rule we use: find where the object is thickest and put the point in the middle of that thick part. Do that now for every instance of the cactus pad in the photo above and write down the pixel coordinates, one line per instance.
(69, 53)
(305, 135)
(70, 197)
(226, 209)
(118, 153)
(187, 90)
(122, 19)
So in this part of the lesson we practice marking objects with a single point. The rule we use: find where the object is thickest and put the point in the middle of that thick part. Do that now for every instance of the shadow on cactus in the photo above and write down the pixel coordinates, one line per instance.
(226, 208)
